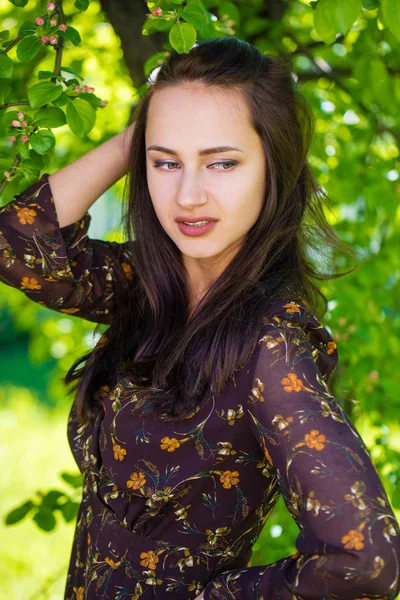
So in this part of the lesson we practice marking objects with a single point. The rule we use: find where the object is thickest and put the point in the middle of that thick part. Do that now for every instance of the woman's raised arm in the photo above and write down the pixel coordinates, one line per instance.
(78, 185)
(45, 250)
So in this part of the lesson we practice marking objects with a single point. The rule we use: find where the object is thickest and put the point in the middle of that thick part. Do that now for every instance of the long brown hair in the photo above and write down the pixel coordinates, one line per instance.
(151, 341)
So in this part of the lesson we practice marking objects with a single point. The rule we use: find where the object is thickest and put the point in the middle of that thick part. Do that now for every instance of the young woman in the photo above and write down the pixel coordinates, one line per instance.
(208, 395)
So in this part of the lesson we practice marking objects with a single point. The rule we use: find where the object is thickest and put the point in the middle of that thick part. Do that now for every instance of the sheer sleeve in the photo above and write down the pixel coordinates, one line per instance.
(60, 267)
(348, 546)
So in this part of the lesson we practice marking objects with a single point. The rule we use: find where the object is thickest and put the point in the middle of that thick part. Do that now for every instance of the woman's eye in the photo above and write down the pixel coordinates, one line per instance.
(230, 163)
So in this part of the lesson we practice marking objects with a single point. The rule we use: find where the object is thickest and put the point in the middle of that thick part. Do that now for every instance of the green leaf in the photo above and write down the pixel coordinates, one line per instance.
(16, 515)
(154, 61)
(20, 3)
(72, 35)
(42, 141)
(28, 177)
(5, 164)
(51, 501)
(45, 520)
(6, 66)
(81, 4)
(35, 161)
(43, 92)
(335, 16)
(390, 12)
(9, 116)
(74, 481)
(24, 149)
(49, 74)
(69, 70)
(91, 98)
(62, 100)
(28, 48)
(50, 117)
(5, 90)
(27, 28)
(5, 34)
(69, 511)
(194, 13)
(182, 37)
(80, 117)
(370, 4)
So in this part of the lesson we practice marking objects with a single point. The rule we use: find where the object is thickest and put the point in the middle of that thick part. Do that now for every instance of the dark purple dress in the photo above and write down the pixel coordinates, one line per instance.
(168, 511)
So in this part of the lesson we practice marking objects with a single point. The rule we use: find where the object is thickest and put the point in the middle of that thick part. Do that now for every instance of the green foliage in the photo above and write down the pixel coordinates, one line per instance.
(43, 507)
(391, 16)
(335, 16)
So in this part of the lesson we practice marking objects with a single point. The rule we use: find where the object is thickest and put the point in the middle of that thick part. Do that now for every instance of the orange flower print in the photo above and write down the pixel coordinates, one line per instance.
(79, 593)
(127, 269)
(330, 347)
(112, 563)
(353, 540)
(315, 439)
(291, 307)
(229, 478)
(119, 453)
(136, 481)
(30, 283)
(26, 215)
(292, 383)
(150, 559)
(169, 444)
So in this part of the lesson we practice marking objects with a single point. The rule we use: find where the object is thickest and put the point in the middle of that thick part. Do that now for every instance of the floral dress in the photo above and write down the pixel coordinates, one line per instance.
(171, 511)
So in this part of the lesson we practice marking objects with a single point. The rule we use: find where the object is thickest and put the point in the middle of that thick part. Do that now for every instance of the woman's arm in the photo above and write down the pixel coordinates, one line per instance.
(79, 184)
(45, 250)
(348, 546)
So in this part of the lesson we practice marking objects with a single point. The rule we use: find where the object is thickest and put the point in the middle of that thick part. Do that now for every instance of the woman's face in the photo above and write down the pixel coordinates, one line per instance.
(185, 181)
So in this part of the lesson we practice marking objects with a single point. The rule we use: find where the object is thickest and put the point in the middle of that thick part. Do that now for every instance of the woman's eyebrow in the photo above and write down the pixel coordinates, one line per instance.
(203, 152)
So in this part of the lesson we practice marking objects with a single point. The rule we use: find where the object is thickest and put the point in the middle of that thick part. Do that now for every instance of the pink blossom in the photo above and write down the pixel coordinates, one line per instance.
(157, 11)
(103, 102)
(77, 88)
(44, 39)
(7, 175)
(12, 139)
(53, 21)
(15, 123)
(51, 6)
(53, 40)
(24, 138)
(20, 115)
(24, 123)
(84, 88)
(63, 27)
(39, 21)
(90, 90)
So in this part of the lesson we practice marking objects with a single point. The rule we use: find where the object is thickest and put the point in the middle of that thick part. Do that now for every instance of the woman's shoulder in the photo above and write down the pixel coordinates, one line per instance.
(295, 323)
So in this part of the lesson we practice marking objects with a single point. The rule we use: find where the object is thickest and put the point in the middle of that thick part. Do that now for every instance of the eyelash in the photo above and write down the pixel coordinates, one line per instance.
(168, 162)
